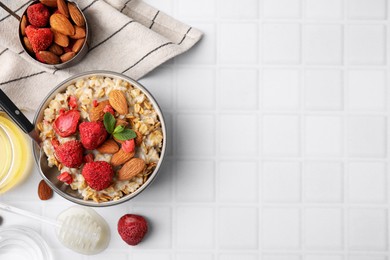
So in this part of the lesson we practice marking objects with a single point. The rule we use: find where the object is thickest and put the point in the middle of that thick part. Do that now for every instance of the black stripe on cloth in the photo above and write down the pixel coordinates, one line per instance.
(2, 19)
(88, 6)
(24, 77)
(185, 35)
(146, 55)
(109, 37)
(124, 6)
(154, 18)
(20, 52)
(6, 49)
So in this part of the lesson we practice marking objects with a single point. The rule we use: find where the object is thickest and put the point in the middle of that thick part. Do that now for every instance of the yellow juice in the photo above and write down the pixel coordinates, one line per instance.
(15, 154)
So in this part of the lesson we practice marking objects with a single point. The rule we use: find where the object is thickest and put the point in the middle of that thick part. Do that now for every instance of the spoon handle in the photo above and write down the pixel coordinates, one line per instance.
(9, 11)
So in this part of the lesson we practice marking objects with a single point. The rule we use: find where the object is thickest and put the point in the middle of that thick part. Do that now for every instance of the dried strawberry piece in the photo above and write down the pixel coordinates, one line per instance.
(109, 109)
(128, 146)
(89, 158)
(98, 175)
(72, 102)
(55, 143)
(38, 15)
(92, 134)
(95, 103)
(132, 228)
(65, 177)
(66, 124)
(70, 153)
(40, 38)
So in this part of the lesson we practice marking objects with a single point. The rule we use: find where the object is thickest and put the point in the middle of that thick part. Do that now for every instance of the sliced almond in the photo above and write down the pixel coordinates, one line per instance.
(118, 101)
(49, 3)
(23, 25)
(28, 45)
(60, 39)
(109, 146)
(130, 169)
(79, 32)
(61, 24)
(56, 49)
(121, 157)
(67, 56)
(76, 15)
(63, 8)
(44, 191)
(77, 45)
(96, 113)
(49, 57)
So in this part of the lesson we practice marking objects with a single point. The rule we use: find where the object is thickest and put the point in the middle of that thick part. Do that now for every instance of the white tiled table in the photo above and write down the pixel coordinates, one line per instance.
(278, 138)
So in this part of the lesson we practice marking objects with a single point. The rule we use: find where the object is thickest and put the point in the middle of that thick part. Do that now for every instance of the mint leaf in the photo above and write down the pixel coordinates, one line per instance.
(119, 129)
(126, 134)
(109, 122)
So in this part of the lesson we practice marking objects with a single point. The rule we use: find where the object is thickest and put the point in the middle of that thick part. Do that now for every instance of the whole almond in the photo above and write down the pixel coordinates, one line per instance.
(121, 157)
(96, 113)
(63, 8)
(109, 146)
(118, 101)
(139, 138)
(49, 3)
(60, 39)
(79, 32)
(77, 45)
(56, 49)
(76, 15)
(49, 57)
(44, 191)
(23, 25)
(61, 24)
(131, 168)
(28, 45)
(67, 56)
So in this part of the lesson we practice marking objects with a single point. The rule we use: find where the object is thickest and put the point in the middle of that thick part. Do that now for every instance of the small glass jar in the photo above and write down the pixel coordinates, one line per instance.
(15, 154)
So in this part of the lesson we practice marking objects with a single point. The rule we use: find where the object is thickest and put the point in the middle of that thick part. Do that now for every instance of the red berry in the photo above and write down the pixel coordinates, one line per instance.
(70, 153)
(132, 228)
(109, 109)
(92, 134)
(38, 15)
(95, 103)
(98, 175)
(55, 143)
(72, 102)
(65, 177)
(128, 146)
(40, 38)
(89, 158)
(66, 124)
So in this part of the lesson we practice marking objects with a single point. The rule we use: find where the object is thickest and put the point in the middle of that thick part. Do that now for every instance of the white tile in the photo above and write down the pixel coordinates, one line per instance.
(282, 8)
(281, 257)
(195, 89)
(323, 44)
(195, 181)
(366, 44)
(232, 37)
(194, 256)
(237, 181)
(195, 227)
(323, 228)
(323, 135)
(200, 144)
(366, 136)
(367, 9)
(367, 257)
(324, 9)
(244, 9)
(366, 89)
(66, 254)
(233, 124)
(280, 88)
(149, 256)
(281, 43)
(367, 229)
(239, 256)
(323, 181)
(238, 88)
(281, 135)
(281, 181)
(323, 89)
(324, 257)
(204, 52)
(196, 9)
(367, 182)
(238, 228)
(110, 254)
(280, 228)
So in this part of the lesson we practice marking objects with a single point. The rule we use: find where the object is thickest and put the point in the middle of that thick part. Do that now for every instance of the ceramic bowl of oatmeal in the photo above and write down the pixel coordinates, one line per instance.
(105, 135)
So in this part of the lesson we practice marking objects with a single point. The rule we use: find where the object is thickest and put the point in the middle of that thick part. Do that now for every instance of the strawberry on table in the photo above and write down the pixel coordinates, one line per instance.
(66, 124)
(132, 228)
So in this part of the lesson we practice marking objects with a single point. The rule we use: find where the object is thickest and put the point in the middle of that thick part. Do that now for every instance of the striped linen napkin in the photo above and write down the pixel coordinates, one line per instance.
(128, 36)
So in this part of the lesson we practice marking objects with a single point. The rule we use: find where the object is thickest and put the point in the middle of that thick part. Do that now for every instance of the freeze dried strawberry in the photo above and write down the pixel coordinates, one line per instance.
(128, 146)
(92, 134)
(65, 177)
(70, 154)
(109, 109)
(40, 38)
(55, 143)
(72, 102)
(89, 158)
(66, 124)
(38, 15)
(95, 103)
(132, 228)
(98, 175)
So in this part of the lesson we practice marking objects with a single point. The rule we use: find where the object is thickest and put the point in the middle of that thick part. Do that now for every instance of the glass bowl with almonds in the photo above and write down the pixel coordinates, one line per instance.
(105, 134)
(54, 33)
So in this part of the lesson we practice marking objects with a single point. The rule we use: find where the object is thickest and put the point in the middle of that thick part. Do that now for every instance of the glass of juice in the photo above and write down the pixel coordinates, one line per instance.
(15, 154)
